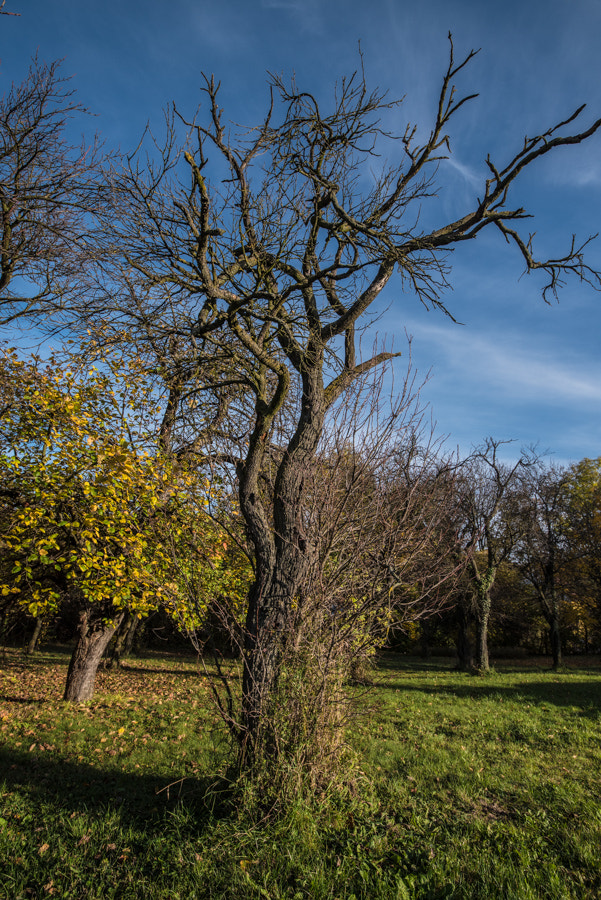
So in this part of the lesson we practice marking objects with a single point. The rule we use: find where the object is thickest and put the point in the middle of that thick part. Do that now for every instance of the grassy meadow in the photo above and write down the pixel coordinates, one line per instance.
(453, 786)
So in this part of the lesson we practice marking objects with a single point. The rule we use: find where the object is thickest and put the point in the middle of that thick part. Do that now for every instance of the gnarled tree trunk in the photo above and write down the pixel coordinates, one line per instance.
(284, 555)
(93, 636)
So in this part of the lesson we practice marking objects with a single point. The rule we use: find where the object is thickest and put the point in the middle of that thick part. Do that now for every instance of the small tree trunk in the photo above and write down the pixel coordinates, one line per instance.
(462, 641)
(129, 637)
(35, 637)
(550, 608)
(555, 637)
(5, 626)
(118, 649)
(482, 661)
(92, 640)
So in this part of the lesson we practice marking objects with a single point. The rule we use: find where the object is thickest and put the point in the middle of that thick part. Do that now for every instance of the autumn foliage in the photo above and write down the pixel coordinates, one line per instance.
(92, 514)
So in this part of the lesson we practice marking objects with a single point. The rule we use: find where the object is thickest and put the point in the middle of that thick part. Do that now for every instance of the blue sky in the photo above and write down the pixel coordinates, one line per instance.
(516, 368)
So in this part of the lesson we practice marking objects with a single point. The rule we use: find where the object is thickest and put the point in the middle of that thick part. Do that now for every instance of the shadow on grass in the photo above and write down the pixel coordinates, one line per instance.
(27, 701)
(20, 660)
(576, 692)
(148, 670)
(398, 662)
(58, 655)
(140, 801)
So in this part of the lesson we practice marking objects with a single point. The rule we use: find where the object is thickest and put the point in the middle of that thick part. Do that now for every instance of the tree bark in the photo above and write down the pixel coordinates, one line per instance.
(550, 606)
(123, 641)
(284, 556)
(35, 637)
(482, 663)
(92, 640)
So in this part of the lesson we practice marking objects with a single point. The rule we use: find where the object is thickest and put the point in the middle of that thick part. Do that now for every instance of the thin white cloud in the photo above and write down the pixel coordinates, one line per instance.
(468, 173)
(516, 369)
(586, 174)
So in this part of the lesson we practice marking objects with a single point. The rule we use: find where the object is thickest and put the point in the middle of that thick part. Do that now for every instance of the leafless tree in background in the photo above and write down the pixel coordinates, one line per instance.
(489, 501)
(48, 189)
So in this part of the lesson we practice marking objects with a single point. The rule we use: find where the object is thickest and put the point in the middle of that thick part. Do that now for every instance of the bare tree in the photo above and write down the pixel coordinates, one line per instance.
(382, 511)
(492, 527)
(265, 272)
(47, 188)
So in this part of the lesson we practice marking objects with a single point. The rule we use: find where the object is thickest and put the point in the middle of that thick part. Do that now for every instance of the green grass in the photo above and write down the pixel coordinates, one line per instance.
(455, 787)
